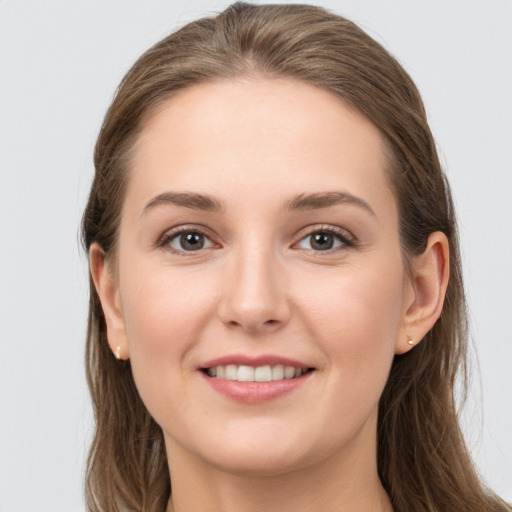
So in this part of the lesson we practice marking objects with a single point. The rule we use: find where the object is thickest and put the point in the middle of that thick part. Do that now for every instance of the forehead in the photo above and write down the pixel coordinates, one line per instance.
(265, 136)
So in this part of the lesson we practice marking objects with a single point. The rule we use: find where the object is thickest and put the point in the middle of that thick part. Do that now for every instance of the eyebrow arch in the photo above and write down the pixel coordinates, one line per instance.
(325, 199)
(192, 200)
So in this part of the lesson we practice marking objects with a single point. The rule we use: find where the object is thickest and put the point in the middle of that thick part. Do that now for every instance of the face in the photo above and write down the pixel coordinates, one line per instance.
(259, 240)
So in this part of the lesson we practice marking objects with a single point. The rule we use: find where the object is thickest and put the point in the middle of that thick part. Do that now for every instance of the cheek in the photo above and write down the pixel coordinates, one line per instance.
(355, 325)
(165, 313)
(163, 309)
(356, 318)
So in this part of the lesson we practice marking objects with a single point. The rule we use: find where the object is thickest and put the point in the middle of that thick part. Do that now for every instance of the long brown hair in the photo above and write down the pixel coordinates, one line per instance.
(422, 460)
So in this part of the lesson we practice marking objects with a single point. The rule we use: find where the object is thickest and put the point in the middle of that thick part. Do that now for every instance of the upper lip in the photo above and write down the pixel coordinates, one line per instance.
(263, 360)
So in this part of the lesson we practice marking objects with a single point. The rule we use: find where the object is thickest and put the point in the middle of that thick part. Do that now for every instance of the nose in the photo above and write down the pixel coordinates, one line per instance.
(254, 292)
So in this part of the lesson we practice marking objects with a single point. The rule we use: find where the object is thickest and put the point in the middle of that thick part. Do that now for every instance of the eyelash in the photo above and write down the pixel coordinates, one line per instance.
(168, 237)
(347, 240)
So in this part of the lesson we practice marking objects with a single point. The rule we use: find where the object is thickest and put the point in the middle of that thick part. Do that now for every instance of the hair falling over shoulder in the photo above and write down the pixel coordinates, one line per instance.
(423, 462)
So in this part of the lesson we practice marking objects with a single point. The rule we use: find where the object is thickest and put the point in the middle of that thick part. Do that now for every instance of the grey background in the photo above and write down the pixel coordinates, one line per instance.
(60, 62)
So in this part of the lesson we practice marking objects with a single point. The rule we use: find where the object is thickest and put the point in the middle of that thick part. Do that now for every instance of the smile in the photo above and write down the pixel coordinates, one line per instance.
(245, 373)
(255, 379)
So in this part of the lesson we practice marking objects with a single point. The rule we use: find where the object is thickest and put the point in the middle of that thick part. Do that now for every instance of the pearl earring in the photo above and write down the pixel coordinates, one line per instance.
(118, 353)
(411, 342)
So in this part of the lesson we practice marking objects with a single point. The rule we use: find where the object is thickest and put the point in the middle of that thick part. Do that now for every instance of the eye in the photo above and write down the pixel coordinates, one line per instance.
(187, 241)
(324, 240)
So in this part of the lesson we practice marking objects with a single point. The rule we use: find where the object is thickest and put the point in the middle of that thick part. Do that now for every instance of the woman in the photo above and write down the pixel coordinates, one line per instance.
(277, 313)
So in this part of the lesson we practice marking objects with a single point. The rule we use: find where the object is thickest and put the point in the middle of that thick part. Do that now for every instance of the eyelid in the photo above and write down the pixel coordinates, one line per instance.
(346, 237)
(163, 241)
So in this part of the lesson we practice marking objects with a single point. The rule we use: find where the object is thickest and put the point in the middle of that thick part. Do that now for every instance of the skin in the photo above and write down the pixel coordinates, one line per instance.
(259, 286)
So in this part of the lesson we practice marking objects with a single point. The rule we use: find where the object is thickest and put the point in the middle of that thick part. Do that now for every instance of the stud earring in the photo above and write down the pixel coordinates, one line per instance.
(118, 353)
(411, 342)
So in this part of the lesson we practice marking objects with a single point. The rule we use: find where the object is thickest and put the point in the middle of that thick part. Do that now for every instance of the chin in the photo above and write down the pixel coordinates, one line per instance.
(263, 452)
(262, 463)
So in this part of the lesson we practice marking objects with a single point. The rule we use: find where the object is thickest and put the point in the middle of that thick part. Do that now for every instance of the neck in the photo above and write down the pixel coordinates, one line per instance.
(278, 495)
(345, 482)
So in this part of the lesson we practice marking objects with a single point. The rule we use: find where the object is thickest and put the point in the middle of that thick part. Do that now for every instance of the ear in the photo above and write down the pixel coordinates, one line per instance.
(108, 291)
(425, 291)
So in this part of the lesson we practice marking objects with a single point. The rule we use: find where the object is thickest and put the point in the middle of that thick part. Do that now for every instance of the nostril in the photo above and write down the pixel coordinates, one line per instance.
(254, 325)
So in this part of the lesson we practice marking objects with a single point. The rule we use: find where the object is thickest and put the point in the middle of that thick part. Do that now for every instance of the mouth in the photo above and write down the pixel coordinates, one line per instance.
(256, 379)
(247, 373)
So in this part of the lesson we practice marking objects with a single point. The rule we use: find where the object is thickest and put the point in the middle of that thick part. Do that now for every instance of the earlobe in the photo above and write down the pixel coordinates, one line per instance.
(426, 291)
(108, 291)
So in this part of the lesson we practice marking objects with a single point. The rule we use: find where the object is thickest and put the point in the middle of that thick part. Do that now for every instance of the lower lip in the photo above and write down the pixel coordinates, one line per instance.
(256, 392)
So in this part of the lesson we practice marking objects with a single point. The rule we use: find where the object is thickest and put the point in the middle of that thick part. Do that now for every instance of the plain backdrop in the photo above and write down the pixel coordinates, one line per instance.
(60, 62)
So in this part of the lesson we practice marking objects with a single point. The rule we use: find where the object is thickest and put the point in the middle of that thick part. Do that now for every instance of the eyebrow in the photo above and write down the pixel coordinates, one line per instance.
(326, 199)
(301, 202)
(191, 200)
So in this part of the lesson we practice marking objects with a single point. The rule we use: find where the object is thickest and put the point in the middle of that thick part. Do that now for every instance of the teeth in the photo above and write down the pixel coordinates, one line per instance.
(243, 373)
(262, 374)
(278, 372)
(231, 372)
(289, 372)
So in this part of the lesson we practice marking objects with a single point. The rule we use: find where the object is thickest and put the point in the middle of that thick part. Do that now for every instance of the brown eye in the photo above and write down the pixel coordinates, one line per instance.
(189, 241)
(324, 240)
